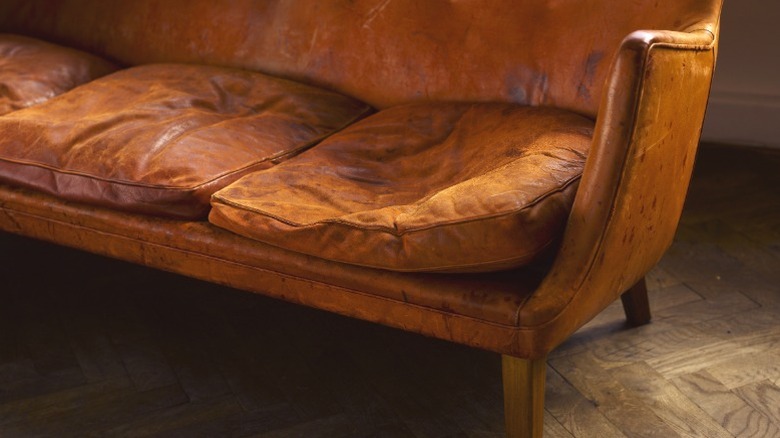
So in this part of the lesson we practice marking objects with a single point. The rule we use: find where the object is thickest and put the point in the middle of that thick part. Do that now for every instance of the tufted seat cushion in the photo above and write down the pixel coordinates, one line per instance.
(424, 187)
(33, 71)
(160, 139)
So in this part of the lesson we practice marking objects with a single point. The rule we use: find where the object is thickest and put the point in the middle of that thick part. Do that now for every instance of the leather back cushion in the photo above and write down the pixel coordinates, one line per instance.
(383, 52)
(33, 71)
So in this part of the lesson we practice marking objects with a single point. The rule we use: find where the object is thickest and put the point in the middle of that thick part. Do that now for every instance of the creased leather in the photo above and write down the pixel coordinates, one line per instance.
(424, 187)
(34, 71)
(383, 52)
(160, 139)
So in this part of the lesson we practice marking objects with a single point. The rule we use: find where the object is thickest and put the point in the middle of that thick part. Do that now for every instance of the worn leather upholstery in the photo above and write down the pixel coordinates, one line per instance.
(649, 91)
(422, 187)
(641, 69)
(34, 71)
(160, 139)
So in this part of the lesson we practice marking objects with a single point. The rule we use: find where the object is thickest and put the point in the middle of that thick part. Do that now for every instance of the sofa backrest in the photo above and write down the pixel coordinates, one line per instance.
(384, 52)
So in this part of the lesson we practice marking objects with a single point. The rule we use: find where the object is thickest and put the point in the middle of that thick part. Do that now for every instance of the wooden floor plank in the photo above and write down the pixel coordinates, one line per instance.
(553, 429)
(574, 412)
(711, 354)
(668, 402)
(26, 382)
(764, 397)
(726, 407)
(99, 413)
(50, 404)
(617, 403)
(748, 368)
(166, 422)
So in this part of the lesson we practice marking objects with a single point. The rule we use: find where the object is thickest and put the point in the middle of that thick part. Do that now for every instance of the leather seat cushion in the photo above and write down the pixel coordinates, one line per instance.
(33, 71)
(425, 187)
(160, 139)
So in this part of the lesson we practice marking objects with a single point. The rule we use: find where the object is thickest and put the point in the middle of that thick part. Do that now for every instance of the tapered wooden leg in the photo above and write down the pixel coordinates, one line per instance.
(523, 396)
(636, 305)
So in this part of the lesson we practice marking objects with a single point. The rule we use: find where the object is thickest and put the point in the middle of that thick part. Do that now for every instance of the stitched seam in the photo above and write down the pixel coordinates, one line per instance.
(444, 269)
(395, 232)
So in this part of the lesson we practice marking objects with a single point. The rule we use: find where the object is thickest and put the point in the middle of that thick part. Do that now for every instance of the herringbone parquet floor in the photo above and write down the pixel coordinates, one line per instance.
(95, 347)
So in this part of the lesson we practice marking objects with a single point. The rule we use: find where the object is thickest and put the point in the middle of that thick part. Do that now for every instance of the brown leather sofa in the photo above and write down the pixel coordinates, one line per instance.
(490, 173)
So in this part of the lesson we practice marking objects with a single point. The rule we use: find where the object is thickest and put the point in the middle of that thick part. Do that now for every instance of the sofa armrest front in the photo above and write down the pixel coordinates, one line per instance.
(635, 180)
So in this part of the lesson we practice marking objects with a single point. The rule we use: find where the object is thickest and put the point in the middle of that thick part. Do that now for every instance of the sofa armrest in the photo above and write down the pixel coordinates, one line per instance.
(635, 180)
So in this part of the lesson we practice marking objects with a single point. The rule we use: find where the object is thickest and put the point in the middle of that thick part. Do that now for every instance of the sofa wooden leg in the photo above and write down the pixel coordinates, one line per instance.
(523, 396)
(636, 305)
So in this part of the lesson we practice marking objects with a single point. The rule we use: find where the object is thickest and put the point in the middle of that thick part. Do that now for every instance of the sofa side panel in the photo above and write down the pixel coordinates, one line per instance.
(634, 186)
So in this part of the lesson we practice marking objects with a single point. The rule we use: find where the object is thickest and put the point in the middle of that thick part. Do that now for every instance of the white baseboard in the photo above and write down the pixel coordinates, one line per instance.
(743, 119)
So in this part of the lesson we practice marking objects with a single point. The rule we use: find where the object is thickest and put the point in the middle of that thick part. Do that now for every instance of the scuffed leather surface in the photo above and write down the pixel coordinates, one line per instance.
(33, 71)
(383, 52)
(160, 139)
(424, 187)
